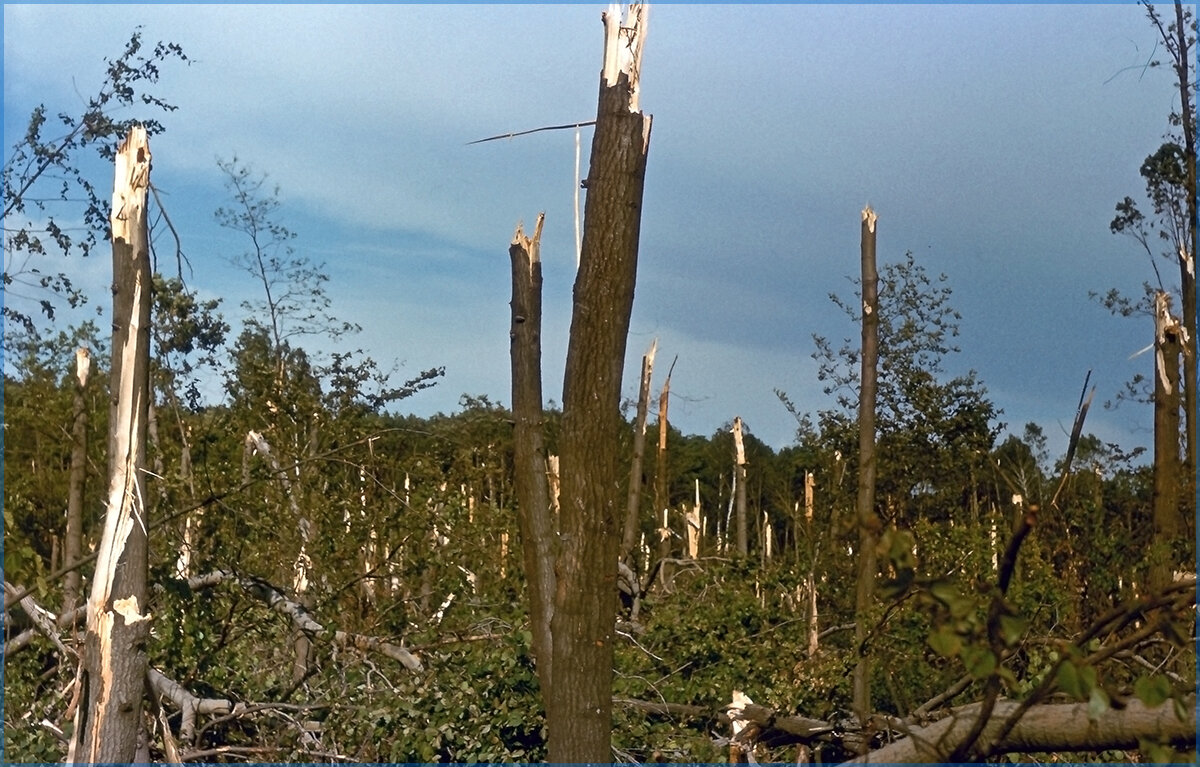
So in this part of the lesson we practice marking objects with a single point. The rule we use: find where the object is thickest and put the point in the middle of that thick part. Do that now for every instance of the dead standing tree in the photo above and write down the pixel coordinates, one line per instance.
(113, 666)
(579, 564)
(538, 529)
(868, 522)
(1167, 497)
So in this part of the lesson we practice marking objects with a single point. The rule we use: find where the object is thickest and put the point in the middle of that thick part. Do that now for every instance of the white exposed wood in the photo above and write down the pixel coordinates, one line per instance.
(738, 445)
(623, 42)
(188, 704)
(105, 730)
(42, 618)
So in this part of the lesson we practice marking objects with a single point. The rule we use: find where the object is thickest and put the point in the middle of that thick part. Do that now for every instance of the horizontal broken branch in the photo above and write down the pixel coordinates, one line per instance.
(302, 620)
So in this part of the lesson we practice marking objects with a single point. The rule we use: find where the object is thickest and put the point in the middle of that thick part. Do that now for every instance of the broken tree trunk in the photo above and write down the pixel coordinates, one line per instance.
(1167, 466)
(579, 701)
(114, 663)
(634, 501)
(73, 539)
(662, 496)
(868, 523)
(739, 481)
(1045, 728)
(538, 534)
(810, 484)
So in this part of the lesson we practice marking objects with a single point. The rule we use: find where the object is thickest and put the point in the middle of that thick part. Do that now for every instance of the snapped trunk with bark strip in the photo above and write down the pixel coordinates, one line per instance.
(114, 663)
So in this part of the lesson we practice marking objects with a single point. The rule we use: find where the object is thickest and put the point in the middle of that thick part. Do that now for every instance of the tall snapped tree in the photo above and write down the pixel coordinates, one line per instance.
(538, 530)
(868, 522)
(579, 702)
(1170, 177)
(113, 669)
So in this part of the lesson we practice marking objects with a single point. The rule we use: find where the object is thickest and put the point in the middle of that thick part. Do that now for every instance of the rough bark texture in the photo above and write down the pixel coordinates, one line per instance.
(579, 703)
(868, 523)
(538, 534)
(1058, 727)
(1167, 467)
(73, 538)
(114, 663)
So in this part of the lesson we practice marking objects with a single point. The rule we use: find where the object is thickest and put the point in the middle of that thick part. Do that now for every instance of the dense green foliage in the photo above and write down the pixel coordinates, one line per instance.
(410, 534)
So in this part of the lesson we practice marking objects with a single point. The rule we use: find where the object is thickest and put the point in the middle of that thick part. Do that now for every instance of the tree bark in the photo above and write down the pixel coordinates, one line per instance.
(114, 663)
(1055, 727)
(1166, 488)
(73, 538)
(1184, 61)
(634, 504)
(538, 534)
(579, 703)
(868, 522)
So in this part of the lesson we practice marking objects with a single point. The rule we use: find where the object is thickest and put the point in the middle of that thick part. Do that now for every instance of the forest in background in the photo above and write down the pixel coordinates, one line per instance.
(304, 496)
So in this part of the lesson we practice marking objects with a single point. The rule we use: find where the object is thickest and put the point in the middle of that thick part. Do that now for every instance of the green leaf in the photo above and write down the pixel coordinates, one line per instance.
(1068, 680)
(1152, 690)
(945, 642)
(980, 661)
(1012, 628)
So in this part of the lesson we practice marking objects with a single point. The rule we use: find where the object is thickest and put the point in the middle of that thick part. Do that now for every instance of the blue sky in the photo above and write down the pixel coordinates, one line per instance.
(992, 140)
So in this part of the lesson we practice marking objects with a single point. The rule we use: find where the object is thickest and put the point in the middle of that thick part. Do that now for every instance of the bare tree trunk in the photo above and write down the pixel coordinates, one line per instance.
(868, 522)
(633, 507)
(538, 533)
(114, 660)
(739, 481)
(579, 703)
(73, 539)
(1166, 493)
(810, 483)
(662, 494)
(694, 529)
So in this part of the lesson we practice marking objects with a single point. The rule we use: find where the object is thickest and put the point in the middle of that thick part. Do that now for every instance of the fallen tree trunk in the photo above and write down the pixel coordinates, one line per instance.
(302, 621)
(1051, 727)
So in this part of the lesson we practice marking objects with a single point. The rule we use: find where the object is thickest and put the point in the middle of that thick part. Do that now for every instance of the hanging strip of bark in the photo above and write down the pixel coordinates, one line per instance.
(868, 523)
(579, 702)
(634, 501)
(537, 524)
(114, 663)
